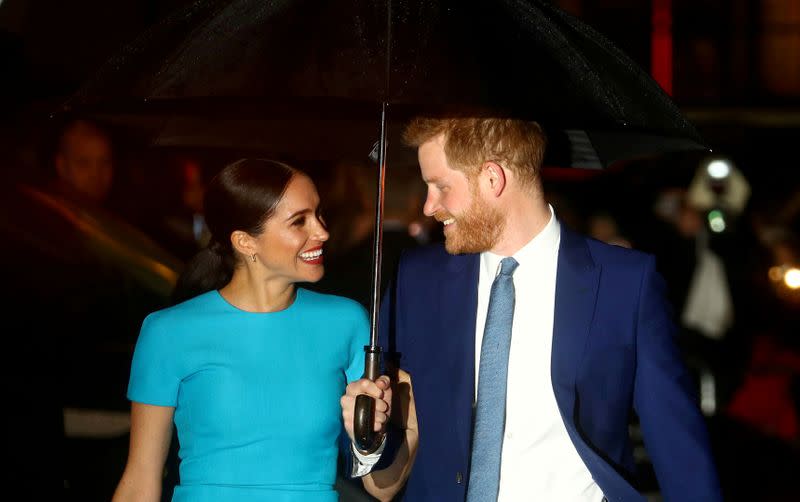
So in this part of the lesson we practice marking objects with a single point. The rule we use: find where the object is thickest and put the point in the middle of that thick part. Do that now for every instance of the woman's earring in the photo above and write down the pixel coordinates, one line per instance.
(253, 256)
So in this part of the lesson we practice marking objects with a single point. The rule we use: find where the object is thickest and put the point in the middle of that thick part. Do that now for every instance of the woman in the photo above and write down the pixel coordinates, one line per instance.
(252, 368)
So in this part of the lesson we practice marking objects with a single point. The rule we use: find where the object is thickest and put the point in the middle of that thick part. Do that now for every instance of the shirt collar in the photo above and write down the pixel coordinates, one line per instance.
(543, 244)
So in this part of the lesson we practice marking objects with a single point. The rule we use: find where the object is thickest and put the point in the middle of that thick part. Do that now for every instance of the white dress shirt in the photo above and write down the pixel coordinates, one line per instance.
(363, 463)
(539, 461)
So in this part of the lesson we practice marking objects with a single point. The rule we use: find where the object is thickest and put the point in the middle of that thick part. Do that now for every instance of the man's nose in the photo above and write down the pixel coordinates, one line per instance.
(431, 204)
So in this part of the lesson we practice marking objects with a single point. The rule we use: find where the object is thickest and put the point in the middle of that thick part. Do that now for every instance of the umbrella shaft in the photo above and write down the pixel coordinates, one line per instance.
(377, 253)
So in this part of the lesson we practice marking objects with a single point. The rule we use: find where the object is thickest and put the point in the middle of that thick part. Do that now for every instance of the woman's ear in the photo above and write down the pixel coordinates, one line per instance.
(494, 176)
(243, 242)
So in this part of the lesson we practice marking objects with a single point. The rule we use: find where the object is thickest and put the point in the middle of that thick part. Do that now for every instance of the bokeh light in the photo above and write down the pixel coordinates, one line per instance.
(716, 221)
(719, 169)
(792, 278)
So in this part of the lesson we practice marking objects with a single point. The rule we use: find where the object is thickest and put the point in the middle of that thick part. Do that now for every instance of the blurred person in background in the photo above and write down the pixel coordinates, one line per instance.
(84, 161)
(603, 227)
(251, 367)
(747, 364)
(350, 194)
(178, 222)
(696, 274)
(764, 411)
(95, 277)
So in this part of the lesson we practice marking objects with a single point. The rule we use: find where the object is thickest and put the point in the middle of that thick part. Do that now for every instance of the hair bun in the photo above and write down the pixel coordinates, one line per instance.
(216, 247)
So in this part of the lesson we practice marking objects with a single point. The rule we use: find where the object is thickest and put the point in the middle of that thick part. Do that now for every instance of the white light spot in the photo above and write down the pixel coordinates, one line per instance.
(719, 169)
(792, 278)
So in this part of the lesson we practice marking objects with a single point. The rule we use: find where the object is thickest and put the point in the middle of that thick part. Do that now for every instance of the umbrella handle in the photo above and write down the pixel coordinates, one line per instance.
(366, 439)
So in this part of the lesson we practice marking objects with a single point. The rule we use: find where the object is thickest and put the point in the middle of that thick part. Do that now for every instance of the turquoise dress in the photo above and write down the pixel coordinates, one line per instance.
(256, 395)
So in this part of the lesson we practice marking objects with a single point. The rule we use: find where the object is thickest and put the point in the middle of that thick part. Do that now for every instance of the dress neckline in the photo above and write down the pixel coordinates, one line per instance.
(299, 292)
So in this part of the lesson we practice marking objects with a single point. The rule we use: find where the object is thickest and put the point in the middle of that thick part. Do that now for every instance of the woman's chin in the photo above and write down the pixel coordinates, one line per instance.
(315, 277)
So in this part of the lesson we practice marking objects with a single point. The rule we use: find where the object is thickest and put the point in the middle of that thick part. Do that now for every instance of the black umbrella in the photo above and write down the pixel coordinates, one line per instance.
(318, 78)
(304, 69)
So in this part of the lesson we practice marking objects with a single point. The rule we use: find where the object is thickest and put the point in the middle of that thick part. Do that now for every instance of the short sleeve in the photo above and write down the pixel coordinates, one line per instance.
(154, 376)
(360, 338)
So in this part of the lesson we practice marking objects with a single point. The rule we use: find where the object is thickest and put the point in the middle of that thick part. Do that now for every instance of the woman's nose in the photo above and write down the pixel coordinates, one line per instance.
(321, 233)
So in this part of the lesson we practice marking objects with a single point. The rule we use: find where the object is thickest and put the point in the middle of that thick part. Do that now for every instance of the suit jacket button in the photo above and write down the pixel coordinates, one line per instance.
(459, 477)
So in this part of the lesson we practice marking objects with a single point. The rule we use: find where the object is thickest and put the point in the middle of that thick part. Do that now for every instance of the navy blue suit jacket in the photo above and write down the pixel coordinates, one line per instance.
(613, 352)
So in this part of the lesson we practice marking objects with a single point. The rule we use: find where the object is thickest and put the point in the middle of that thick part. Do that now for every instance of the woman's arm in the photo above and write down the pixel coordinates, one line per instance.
(386, 483)
(151, 431)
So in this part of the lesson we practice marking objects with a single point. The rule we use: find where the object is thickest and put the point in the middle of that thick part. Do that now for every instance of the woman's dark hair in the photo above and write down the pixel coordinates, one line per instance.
(240, 197)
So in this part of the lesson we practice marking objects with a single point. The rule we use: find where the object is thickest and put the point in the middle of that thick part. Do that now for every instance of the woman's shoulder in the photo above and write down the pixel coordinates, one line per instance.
(197, 306)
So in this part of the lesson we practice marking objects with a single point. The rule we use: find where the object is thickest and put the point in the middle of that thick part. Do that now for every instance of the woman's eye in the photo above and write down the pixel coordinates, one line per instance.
(299, 222)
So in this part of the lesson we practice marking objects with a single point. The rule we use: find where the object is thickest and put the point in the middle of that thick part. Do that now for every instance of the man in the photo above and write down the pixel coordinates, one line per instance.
(529, 346)
(83, 161)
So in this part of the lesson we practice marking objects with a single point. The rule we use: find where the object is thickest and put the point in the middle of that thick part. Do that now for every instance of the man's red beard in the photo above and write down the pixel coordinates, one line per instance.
(476, 230)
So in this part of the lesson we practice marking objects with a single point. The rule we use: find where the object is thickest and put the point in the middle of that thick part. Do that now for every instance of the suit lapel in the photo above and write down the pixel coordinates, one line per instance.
(458, 300)
(577, 281)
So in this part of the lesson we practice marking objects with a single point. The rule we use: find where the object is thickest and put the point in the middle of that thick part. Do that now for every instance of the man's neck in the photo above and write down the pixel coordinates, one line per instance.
(525, 219)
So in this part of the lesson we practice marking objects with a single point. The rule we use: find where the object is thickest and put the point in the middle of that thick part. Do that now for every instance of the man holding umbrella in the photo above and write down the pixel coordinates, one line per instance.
(529, 345)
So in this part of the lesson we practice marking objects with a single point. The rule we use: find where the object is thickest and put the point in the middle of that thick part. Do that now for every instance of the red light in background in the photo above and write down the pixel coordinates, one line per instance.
(661, 44)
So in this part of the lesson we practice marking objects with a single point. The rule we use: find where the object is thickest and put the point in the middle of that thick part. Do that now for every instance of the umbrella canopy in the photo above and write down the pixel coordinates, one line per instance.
(309, 75)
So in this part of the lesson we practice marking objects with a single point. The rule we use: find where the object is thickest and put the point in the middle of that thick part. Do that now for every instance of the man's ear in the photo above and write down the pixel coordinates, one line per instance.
(494, 176)
(243, 242)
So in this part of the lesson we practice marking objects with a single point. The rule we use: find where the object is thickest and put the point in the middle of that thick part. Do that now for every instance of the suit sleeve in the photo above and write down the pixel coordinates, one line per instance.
(674, 430)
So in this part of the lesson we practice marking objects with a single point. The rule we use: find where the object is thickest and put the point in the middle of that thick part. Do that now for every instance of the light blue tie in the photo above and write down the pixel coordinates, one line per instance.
(490, 414)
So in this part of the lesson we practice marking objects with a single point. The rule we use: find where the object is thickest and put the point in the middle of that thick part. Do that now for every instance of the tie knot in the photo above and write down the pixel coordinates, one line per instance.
(508, 265)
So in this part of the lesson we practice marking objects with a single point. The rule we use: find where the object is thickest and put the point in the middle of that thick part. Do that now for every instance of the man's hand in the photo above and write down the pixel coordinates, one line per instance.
(380, 389)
